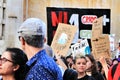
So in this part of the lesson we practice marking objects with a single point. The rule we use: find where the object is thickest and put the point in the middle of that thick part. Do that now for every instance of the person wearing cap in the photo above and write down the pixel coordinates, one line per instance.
(32, 37)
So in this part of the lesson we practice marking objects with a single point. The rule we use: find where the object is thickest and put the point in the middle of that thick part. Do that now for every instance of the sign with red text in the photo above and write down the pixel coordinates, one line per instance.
(63, 38)
(81, 18)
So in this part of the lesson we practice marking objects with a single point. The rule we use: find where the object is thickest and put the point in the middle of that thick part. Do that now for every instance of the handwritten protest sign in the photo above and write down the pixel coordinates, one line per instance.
(82, 47)
(63, 38)
(97, 27)
(101, 46)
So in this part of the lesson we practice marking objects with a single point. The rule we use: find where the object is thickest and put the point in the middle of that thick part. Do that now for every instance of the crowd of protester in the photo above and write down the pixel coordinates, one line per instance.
(37, 61)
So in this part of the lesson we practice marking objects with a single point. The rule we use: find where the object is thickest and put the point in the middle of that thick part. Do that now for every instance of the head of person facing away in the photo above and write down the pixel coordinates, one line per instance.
(70, 74)
(49, 50)
(32, 36)
(12, 64)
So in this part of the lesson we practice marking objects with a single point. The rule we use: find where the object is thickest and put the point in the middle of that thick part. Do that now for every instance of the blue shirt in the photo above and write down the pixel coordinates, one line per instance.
(44, 68)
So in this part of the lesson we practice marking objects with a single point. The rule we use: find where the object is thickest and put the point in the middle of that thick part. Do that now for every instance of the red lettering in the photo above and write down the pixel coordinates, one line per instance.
(88, 19)
(58, 19)
(65, 17)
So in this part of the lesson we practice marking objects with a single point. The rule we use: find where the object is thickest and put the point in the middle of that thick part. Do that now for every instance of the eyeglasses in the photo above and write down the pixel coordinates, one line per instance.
(3, 60)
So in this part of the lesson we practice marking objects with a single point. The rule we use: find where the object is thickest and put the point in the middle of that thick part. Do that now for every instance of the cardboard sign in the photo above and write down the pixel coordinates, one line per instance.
(97, 27)
(101, 46)
(63, 38)
(82, 47)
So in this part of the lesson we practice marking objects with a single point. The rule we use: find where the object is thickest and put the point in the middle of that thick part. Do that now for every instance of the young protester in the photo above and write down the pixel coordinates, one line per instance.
(69, 60)
(91, 68)
(80, 64)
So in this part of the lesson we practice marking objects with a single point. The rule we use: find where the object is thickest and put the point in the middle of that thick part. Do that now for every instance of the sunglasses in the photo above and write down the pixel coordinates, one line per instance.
(3, 60)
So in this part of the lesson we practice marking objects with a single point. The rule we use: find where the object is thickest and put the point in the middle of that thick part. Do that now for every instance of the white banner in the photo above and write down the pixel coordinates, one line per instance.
(82, 47)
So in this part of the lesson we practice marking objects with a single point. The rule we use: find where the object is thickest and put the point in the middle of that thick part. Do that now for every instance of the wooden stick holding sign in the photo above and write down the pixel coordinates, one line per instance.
(63, 38)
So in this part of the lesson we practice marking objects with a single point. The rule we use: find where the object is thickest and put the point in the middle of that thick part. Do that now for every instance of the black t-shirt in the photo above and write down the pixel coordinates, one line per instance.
(86, 77)
(98, 76)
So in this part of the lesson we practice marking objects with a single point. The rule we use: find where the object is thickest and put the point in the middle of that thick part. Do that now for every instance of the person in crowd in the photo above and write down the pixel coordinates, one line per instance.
(69, 60)
(109, 62)
(114, 72)
(60, 60)
(70, 74)
(49, 50)
(91, 68)
(114, 61)
(12, 64)
(80, 64)
(118, 58)
(32, 38)
(100, 69)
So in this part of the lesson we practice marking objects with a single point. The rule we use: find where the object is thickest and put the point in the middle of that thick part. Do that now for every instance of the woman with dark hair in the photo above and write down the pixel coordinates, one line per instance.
(70, 74)
(12, 64)
(91, 68)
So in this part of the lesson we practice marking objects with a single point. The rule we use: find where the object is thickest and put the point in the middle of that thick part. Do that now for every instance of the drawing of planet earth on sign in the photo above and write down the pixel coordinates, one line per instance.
(63, 38)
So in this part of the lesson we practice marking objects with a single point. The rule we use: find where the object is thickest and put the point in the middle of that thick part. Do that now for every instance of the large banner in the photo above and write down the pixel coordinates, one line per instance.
(82, 18)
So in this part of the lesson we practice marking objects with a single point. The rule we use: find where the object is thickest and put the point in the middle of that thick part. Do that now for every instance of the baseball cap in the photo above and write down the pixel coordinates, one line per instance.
(32, 26)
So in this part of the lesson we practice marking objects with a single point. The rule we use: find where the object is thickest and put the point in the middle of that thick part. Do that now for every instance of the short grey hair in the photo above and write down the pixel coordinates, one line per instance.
(33, 31)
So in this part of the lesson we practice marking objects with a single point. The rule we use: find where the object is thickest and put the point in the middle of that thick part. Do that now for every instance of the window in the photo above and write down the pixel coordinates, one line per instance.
(2, 17)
